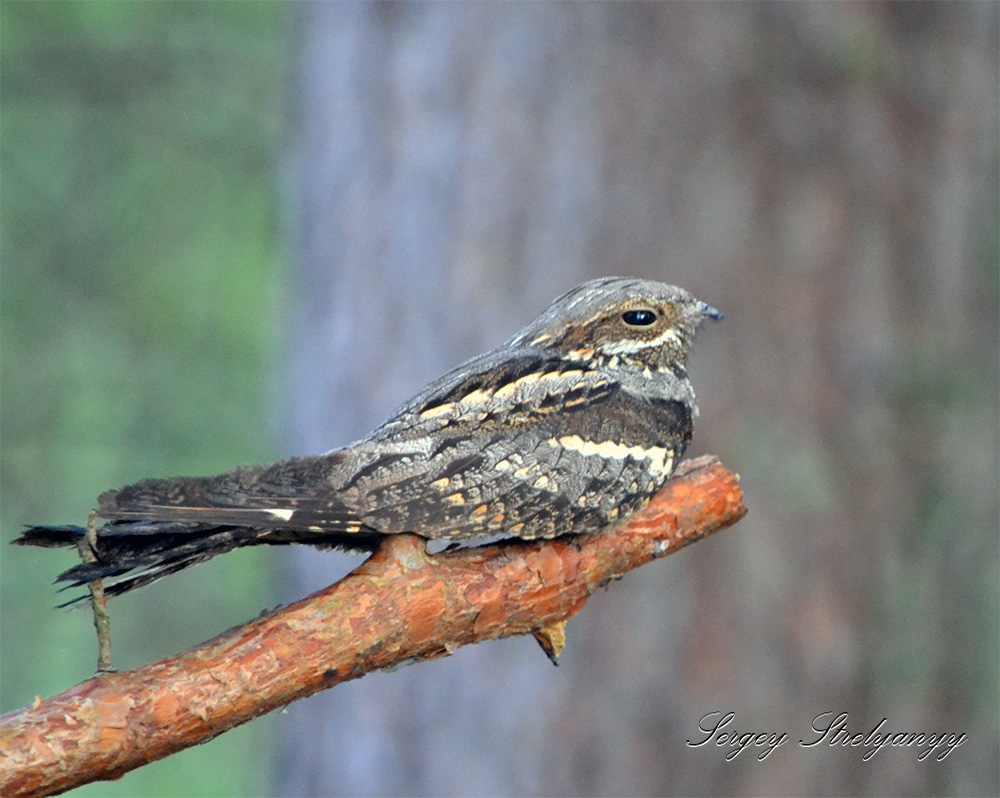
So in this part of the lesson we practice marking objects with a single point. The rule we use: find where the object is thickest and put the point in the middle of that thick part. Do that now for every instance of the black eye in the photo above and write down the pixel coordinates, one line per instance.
(639, 318)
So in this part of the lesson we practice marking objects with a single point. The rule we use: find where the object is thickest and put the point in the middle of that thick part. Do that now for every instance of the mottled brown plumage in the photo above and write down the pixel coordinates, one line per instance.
(569, 427)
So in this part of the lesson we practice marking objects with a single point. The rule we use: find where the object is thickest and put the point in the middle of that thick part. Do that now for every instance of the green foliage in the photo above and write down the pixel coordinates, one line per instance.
(141, 287)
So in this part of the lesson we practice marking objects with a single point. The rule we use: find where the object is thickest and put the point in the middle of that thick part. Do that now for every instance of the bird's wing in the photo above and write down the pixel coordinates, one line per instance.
(302, 492)
(528, 446)
(262, 497)
(504, 443)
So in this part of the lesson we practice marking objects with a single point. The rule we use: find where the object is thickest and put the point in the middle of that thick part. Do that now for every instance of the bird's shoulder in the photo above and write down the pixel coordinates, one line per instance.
(502, 387)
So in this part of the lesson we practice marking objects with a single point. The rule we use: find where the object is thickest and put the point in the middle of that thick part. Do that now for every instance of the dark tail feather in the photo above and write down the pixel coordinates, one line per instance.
(50, 537)
(144, 551)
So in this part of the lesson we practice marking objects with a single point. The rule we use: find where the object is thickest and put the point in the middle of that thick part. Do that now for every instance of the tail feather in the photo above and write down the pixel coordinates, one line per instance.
(143, 567)
(292, 494)
(141, 551)
(50, 537)
(138, 553)
(160, 526)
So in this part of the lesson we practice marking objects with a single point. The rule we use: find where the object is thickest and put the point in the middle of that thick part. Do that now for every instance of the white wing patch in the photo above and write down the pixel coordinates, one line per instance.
(661, 460)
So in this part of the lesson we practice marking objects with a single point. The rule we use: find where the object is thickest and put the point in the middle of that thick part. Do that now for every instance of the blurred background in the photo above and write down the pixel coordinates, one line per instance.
(235, 232)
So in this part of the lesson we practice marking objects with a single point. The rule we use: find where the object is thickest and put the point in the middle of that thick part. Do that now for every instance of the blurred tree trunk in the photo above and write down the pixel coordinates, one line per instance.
(444, 161)
(823, 173)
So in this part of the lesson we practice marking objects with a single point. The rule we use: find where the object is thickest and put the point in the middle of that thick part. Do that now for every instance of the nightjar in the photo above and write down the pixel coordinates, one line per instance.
(569, 427)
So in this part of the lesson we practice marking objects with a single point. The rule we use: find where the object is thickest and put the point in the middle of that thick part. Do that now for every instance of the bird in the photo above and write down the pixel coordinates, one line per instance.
(570, 427)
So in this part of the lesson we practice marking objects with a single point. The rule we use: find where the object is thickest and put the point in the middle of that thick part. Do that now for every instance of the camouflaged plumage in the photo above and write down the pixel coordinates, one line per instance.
(571, 426)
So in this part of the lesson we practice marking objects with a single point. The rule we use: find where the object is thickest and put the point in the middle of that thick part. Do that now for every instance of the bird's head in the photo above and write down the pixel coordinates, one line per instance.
(620, 322)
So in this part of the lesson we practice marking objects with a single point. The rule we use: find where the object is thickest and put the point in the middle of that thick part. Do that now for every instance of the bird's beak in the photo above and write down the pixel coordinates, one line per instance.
(707, 310)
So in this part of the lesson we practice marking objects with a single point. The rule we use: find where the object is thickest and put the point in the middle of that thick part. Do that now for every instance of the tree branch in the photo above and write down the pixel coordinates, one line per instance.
(399, 605)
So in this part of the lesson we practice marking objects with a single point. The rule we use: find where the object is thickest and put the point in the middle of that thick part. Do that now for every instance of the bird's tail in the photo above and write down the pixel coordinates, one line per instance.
(159, 526)
(140, 552)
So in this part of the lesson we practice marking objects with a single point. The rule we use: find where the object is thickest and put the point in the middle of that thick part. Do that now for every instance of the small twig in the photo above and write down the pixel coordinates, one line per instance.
(87, 547)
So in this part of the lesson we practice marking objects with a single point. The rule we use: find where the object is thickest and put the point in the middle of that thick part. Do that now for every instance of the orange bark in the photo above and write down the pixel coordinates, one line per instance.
(400, 605)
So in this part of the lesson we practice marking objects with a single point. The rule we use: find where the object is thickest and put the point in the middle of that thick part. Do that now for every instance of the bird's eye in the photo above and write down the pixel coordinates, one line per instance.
(639, 318)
